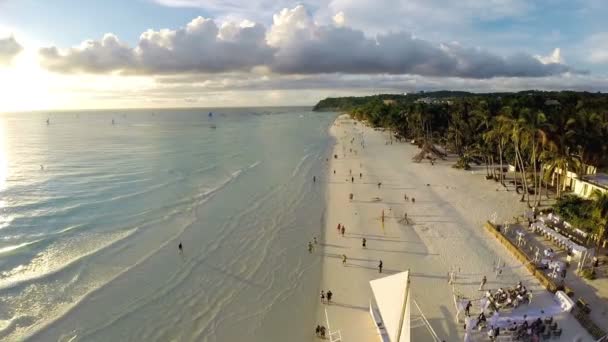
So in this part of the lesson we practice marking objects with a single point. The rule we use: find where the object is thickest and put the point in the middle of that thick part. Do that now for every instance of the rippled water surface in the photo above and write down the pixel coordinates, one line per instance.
(91, 214)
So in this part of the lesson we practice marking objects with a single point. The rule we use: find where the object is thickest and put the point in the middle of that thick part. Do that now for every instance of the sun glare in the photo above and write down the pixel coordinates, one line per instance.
(24, 85)
(3, 156)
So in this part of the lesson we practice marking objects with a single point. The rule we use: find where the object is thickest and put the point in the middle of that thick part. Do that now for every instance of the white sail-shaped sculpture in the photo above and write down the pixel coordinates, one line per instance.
(392, 295)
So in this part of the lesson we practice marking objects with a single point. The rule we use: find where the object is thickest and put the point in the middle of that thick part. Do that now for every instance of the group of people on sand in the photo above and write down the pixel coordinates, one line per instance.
(320, 331)
(405, 198)
(341, 229)
(326, 297)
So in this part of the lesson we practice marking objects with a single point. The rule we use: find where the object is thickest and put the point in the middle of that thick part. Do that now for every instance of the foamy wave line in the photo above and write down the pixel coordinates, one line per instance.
(300, 163)
(15, 247)
(20, 274)
(201, 199)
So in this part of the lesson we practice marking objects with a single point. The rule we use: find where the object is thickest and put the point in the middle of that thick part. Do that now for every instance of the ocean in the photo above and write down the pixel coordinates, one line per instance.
(92, 212)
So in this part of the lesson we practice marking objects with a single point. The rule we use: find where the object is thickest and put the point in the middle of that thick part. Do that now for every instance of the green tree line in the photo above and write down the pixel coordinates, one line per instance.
(540, 133)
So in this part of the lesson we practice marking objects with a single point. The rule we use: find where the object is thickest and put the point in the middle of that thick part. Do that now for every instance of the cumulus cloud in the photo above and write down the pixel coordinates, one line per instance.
(598, 47)
(294, 44)
(9, 48)
(105, 55)
(555, 57)
(307, 48)
(201, 46)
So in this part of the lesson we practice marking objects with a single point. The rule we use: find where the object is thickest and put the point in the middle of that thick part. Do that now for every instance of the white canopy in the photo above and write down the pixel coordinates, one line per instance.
(392, 298)
(557, 237)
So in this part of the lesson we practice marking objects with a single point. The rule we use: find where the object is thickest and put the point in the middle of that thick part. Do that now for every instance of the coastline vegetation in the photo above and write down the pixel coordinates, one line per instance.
(539, 134)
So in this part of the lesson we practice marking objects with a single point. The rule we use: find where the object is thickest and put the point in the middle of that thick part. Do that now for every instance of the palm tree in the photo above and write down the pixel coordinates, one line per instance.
(534, 124)
(558, 162)
(600, 213)
(498, 136)
(561, 137)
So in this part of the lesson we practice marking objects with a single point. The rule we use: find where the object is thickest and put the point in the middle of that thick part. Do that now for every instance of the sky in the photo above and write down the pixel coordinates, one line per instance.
(71, 54)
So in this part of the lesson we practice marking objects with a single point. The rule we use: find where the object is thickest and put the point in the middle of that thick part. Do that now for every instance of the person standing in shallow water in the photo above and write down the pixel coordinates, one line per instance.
(314, 179)
(180, 247)
(309, 247)
(364, 243)
(380, 267)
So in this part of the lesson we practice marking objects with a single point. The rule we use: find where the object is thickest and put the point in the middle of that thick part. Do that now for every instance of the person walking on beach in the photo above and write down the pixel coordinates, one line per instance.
(314, 179)
(413, 200)
(309, 247)
(322, 332)
(352, 179)
(339, 228)
(334, 172)
(364, 243)
(322, 297)
(379, 185)
(405, 197)
(343, 230)
(344, 259)
(180, 247)
(314, 240)
(318, 330)
(483, 283)
(380, 267)
(360, 175)
(467, 308)
(329, 295)
(382, 215)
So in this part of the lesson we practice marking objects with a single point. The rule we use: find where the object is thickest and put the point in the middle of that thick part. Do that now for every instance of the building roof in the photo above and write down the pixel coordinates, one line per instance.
(598, 179)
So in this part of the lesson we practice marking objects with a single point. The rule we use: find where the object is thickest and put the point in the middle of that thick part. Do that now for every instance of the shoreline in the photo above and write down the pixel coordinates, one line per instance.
(446, 233)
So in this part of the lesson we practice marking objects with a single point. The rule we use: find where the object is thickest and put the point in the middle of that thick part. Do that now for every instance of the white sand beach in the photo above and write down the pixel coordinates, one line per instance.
(445, 233)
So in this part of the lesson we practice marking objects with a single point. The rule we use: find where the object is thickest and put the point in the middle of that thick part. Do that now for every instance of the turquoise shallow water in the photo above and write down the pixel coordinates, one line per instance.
(91, 214)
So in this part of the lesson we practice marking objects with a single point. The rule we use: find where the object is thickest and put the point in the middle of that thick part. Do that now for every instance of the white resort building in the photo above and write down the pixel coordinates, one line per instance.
(583, 186)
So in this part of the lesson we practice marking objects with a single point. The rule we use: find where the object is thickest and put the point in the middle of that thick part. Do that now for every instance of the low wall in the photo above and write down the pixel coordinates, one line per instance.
(522, 257)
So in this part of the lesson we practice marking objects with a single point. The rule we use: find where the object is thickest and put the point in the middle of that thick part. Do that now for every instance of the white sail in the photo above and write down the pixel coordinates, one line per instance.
(392, 298)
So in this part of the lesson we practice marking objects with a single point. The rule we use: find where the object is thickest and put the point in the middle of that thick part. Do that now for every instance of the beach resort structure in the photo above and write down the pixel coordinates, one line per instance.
(582, 186)
(429, 221)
